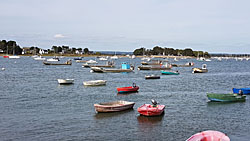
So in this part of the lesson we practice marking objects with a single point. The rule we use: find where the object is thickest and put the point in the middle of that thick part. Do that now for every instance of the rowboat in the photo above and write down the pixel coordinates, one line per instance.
(209, 135)
(125, 68)
(69, 62)
(226, 97)
(244, 90)
(170, 72)
(65, 81)
(95, 83)
(200, 70)
(114, 106)
(152, 76)
(109, 64)
(151, 110)
(129, 89)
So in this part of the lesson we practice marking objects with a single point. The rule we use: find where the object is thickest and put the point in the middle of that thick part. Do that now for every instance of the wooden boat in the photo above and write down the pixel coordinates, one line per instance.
(244, 90)
(107, 65)
(81, 61)
(65, 81)
(226, 97)
(152, 62)
(200, 70)
(151, 110)
(170, 72)
(114, 106)
(69, 62)
(152, 76)
(209, 135)
(129, 89)
(95, 83)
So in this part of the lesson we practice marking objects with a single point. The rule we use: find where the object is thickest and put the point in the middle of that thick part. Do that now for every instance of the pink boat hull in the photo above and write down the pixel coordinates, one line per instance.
(209, 136)
(149, 110)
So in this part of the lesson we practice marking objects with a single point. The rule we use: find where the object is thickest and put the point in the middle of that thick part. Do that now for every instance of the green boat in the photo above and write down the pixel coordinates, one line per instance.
(170, 72)
(226, 97)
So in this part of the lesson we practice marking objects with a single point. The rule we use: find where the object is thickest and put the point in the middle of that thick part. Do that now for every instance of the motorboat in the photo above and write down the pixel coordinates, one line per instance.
(170, 72)
(39, 58)
(128, 89)
(209, 135)
(151, 109)
(217, 97)
(200, 70)
(152, 76)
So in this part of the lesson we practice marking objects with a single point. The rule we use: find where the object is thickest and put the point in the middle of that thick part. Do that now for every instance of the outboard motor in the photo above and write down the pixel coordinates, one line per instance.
(154, 102)
(134, 85)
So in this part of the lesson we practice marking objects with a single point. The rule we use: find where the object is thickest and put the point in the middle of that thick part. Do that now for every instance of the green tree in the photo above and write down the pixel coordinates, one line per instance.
(86, 50)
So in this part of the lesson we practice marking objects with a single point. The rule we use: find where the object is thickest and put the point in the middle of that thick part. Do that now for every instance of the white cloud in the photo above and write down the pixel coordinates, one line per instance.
(59, 36)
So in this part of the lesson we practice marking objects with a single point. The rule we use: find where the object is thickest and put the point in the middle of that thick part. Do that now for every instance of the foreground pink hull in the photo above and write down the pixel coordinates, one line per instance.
(149, 110)
(209, 136)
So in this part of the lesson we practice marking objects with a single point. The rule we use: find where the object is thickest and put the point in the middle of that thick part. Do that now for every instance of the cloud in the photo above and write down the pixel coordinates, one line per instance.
(59, 36)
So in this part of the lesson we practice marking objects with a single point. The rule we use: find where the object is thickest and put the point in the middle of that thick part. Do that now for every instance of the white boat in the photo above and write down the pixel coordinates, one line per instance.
(95, 83)
(91, 62)
(14, 57)
(53, 59)
(40, 58)
(103, 59)
(114, 57)
(65, 81)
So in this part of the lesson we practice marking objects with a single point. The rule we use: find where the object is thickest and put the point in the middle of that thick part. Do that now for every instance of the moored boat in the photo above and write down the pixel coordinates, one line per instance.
(151, 110)
(226, 97)
(14, 57)
(40, 58)
(114, 106)
(170, 72)
(155, 67)
(152, 76)
(65, 81)
(53, 59)
(200, 70)
(125, 68)
(95, 83)
(243, 90)
(69, 62)
(129, 89)
(209, 135)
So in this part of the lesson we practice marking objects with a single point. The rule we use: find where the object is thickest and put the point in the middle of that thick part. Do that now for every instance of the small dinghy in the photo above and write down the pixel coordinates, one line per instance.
(226, 97)
(243, 90)
(65, 81)
(152, 76)
(151, 110)
(170, 72)
(200, 70)
(95, 83)
(114, 106)
(209, 135)
(129, 89)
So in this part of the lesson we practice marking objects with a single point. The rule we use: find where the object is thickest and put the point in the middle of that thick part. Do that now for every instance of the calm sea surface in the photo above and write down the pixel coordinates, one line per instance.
(33, 106)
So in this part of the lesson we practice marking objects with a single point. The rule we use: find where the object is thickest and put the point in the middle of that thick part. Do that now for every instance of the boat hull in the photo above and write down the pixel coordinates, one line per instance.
(152, 77)
(95, 83)
(65, 81)
(244, 90)
(209, 136)
(169, 73)
(199, 70)
(149, 110)
(226, 97)
(115, 106)
(128, 89)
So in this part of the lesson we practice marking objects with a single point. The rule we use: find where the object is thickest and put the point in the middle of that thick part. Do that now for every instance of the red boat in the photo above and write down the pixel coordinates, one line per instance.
(209, 135)
(129, 89)
(5, 56)
(151, 110)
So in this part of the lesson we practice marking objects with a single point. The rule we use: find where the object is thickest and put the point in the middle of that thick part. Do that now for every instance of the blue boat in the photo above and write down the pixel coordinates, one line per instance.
(244, 90)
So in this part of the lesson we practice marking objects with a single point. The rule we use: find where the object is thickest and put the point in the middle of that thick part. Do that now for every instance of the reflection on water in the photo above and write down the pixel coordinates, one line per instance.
(150, 120)
(127, 93)
(111, 114)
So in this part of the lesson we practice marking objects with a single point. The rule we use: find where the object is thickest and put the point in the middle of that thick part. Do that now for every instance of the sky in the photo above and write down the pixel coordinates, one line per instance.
(216, 26)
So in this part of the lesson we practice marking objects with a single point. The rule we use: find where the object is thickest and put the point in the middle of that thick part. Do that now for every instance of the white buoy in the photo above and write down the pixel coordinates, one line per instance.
(3, 69)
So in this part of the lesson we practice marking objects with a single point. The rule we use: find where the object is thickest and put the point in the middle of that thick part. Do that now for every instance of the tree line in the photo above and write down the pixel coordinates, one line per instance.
(10, 47)
(170, 51)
